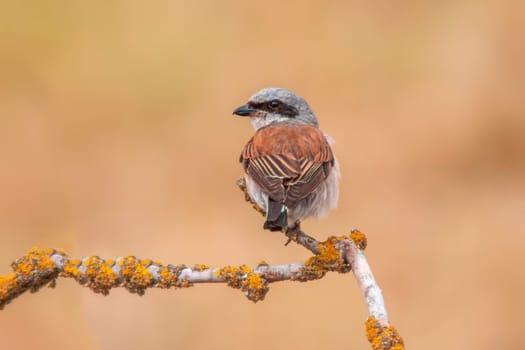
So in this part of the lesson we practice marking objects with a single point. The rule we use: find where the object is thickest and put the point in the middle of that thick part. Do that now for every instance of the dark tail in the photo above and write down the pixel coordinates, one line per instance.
(277, 216)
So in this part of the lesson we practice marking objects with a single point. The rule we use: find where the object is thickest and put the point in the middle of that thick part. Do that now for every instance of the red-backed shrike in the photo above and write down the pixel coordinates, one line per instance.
(290, 170)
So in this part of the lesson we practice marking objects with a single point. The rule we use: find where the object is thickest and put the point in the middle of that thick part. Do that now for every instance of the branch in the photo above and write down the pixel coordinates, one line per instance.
(38, 268)
(379, 332)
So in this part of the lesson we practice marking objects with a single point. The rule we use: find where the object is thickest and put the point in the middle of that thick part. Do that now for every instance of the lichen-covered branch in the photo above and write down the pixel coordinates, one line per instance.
(366, 281)
(40, 267)
(379, 332)
(383, 337)
(341, 254)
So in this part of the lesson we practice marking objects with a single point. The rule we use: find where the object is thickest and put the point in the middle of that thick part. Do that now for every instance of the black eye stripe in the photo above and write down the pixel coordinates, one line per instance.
(275, 106)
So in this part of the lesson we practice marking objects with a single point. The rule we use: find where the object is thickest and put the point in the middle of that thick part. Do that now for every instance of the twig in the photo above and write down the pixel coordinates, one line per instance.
(366, 281)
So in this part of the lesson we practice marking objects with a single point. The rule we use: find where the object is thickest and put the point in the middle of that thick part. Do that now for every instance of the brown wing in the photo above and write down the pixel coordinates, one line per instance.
(288, 161)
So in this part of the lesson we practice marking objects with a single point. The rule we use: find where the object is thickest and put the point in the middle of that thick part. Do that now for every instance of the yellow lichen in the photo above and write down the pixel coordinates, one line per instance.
(143, 274)
(128, 264)
(327, 259)
(46, 263)
(98, 274)
(48, 251)
(35, 261)
(170, 276)
(92, 264)
(252, 284)
(184, 284)
(71, 268)
(328, 253)
(359, 239)
(167, 278)
(253, 281)
(32, 271)
(200, 267)
(231, 274)
(146, 262)
(383, 338)
(245, 269)
(105, 280)
(137, 277)
(7, 283)
(255, 287)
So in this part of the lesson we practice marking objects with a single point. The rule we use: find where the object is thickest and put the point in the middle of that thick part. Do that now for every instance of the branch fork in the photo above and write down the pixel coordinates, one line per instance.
(342, 254)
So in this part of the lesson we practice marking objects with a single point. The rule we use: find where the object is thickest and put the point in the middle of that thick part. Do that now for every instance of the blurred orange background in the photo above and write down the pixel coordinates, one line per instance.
(116, 137)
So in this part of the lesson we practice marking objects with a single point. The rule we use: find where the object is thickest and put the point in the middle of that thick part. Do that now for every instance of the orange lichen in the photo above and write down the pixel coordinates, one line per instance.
(97, 273)
(92, 264)
(328, 259)
(359, 239)
(146, 262)
(33, 270)
(328, 252)
(71, 269)
(143, 274)
(105, 279)
(255, 287)
(167, 278)
(383, 338)
(7, 283)
(245, 269)
(184, 284)
(36, 264)
(44, 260)
(40, 267)
(34, 261)
(231, 274)
(136, 275)
(252, 284)
(10, 288)
(200, 267)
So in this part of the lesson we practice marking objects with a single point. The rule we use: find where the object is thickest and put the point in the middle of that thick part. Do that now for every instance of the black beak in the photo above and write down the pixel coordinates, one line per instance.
(244, 111)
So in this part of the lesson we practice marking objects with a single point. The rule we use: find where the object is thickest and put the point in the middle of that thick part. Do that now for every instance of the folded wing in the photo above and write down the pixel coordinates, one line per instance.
(288, 161)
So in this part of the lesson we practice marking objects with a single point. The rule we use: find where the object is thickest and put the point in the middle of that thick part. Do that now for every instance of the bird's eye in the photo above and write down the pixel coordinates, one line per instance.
(274, 104)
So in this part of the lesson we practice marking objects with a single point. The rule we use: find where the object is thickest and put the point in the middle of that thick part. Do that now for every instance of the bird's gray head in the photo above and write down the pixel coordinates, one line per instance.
(276, 105)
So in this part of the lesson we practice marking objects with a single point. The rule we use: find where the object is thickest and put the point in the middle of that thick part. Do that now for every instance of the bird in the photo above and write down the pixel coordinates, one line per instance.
(290, 170)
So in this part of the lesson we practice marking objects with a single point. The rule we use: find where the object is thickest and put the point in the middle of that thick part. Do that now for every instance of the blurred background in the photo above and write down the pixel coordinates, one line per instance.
(116, 137)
